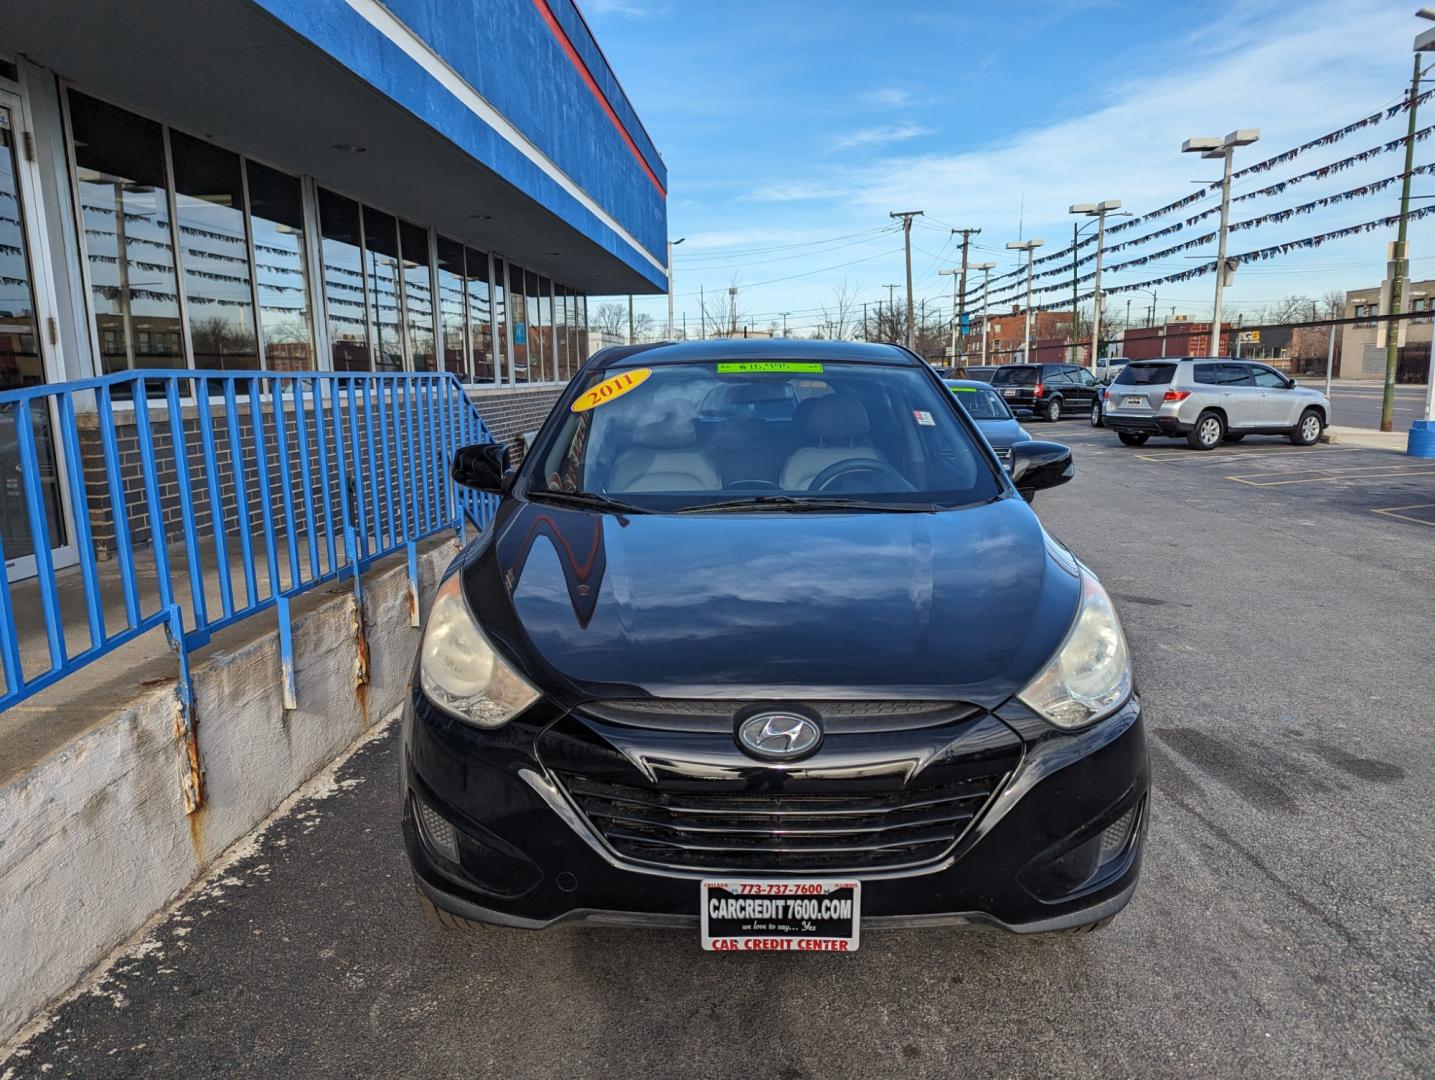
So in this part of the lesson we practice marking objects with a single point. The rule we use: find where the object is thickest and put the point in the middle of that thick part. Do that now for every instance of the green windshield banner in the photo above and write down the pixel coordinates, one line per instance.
(752, 366)
(964, 389)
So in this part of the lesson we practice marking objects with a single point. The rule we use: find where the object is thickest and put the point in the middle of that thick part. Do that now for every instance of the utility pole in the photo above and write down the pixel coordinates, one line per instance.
(732, 309)
(907, 216)
(785, 314)
(891, 311)
(1225, 150)
(702, 314)
(630, 318)
(1029, 246)
(1398, 264)
(865, 336)
(671, 244)
(966, 235)
(986, 269)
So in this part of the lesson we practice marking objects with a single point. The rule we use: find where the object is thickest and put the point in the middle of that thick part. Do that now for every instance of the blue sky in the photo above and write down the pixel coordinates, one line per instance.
(790, 130)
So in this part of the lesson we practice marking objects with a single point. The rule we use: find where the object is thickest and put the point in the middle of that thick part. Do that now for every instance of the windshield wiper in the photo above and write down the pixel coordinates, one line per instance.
(586, 498)
(792, 505)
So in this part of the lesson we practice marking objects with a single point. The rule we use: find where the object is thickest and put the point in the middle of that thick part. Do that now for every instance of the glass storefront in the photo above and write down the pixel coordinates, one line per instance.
(177, 228)
(214, 245)
(276, 218)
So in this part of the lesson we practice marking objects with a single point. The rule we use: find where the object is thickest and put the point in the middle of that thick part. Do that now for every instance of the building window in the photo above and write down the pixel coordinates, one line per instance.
(276, 221)
(214, 253)
(562, 332)
(418, 297)
(381, 270)
(124, 217)
(502, 339)
(519, 313)
(452, 313)
(480, 318)
(544, 359)
(343, 255)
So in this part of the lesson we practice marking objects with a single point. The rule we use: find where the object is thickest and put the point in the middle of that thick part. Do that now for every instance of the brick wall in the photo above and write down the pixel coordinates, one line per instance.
(512, 413)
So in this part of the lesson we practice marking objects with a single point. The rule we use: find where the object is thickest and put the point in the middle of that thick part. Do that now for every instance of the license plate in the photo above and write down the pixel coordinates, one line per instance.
(781, 916)
(1135, 402)
(1009, 393)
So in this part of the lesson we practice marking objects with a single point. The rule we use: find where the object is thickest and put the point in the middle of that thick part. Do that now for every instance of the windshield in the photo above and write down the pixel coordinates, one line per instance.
(1146, 374)
(1018, 375)
(680, 436)
(981, 403)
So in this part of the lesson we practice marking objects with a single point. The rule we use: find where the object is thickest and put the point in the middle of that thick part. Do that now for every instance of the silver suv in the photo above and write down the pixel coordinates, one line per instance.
(1210, 399)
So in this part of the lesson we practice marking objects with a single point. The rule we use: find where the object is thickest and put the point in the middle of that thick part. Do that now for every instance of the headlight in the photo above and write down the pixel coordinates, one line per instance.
(460, 671)
(1090, 675)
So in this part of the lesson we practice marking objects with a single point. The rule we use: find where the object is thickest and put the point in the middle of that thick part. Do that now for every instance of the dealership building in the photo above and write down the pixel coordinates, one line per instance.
(415, 185)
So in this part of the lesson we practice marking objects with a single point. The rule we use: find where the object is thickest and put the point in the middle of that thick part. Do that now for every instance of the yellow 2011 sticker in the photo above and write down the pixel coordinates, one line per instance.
(609, 389)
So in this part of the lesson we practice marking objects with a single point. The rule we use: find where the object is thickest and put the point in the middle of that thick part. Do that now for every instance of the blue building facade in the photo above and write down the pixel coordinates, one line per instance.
(414, 185)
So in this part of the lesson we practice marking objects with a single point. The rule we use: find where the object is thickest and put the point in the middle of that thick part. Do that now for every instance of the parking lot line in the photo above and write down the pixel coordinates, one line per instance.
(1394, 511)
(1215, 457)
(1386, 473)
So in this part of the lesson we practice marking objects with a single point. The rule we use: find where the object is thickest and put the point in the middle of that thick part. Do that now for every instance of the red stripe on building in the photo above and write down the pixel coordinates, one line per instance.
(556, 28)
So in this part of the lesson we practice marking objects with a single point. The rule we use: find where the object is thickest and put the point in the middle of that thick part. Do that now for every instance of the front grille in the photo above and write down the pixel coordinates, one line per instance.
(720, 714)
(765, 832)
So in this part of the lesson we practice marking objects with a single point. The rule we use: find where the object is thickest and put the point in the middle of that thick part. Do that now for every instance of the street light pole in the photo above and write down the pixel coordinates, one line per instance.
(1398, 263)
(954, 274)
(1029, 246)
(907, 216)
(961, 306)
(986, 269)
(1099, 212)
(1224, 149)
(671, 244)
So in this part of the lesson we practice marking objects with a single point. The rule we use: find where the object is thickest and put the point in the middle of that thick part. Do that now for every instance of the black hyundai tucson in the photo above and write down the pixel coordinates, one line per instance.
(764, 642)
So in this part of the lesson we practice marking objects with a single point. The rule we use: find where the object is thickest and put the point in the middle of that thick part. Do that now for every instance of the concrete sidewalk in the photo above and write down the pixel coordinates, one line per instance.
(1367, 438)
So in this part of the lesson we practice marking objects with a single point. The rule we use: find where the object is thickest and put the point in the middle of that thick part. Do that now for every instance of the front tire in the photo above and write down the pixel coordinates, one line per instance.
(1133, 438)
(1208, 432)
(1307, 431)
(1052, 413)
(1096, 420)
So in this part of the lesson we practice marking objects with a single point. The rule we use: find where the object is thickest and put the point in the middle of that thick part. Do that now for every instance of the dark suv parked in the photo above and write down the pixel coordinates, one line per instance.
(1049, 390)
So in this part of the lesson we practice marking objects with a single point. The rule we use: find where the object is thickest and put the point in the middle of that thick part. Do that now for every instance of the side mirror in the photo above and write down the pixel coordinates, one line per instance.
(1023, 413)
(1037, 465)
(482, 466)
(1291, 384)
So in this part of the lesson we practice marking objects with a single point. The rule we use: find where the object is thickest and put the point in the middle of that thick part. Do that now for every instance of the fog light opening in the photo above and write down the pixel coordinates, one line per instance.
(437, 833)
(1115, 837)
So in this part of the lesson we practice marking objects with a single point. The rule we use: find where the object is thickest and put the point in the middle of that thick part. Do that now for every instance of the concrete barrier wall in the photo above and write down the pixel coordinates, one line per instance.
(94, 839)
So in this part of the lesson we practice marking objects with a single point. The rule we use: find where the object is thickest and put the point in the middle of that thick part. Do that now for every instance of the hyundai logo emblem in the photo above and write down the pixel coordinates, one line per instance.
(778, 736)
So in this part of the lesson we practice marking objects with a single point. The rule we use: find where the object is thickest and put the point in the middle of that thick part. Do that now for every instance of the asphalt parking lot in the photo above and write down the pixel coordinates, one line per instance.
(1278, 605)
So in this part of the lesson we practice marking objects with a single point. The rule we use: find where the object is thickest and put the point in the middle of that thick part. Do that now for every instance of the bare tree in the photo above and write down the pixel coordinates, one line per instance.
(840, 320)
(644, 328)
(610, 319)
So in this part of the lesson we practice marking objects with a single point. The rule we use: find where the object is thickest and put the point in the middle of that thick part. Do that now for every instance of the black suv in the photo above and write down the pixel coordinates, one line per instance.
(1049, 390)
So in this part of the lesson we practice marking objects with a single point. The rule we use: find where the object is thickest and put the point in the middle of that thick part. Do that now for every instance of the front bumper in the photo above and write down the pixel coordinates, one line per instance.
(529, 858)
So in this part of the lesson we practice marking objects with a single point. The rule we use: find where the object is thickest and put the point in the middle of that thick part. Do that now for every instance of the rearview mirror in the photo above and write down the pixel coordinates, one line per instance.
(482, 466)
(1036, 465)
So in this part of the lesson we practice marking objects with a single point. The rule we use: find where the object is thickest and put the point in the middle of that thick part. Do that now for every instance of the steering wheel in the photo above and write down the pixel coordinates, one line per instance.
(851, 466)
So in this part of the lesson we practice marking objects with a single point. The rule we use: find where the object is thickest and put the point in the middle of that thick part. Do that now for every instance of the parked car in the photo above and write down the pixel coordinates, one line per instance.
(1206, 400)
(1049, 390)
(1108, 367)
(978, 372)
(846, 682)
(996, 421)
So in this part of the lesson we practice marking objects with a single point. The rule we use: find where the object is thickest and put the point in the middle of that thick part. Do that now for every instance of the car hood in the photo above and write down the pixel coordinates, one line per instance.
(1002, 433)
(959, 605)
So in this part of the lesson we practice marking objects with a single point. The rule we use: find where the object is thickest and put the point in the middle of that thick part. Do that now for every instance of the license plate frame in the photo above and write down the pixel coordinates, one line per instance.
(791, 915)
(1135, 401)
(1009, 392)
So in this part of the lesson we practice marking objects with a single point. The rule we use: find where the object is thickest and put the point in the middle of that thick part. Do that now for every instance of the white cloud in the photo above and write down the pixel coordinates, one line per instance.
(796, 191)
(880, 136)
(633, 9)
(887, 97)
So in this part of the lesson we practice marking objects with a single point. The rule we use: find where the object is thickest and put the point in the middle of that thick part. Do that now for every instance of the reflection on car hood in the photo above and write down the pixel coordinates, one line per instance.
(1002, 433)
(961, 605)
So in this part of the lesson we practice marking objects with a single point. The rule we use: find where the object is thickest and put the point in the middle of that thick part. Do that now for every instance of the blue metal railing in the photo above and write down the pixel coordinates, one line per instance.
(268, 483)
